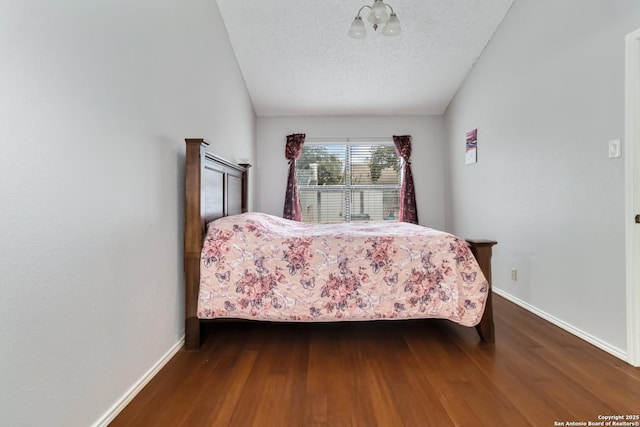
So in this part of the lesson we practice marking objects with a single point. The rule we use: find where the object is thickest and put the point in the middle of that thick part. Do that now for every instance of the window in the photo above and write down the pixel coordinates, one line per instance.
(349, 183)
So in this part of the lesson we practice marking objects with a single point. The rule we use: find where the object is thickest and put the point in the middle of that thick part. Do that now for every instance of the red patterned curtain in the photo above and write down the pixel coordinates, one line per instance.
(408, 210)
(292, 151)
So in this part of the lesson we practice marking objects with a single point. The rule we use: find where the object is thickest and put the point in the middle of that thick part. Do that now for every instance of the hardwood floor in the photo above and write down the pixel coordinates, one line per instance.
(403, 373)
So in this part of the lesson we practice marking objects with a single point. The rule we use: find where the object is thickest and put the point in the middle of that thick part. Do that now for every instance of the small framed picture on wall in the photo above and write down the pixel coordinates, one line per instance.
(471, 150)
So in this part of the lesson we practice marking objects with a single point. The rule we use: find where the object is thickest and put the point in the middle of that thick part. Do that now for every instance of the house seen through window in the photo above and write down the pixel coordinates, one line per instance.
(349, 183)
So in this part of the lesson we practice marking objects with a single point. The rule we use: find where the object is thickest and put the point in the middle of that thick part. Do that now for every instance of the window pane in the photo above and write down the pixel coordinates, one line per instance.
(322, 205)
(374, 204)
(374, 164)
(342, 183)
(321, 165)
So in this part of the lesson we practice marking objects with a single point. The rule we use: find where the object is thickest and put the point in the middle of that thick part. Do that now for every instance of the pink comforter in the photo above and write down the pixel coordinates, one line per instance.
(258, 266)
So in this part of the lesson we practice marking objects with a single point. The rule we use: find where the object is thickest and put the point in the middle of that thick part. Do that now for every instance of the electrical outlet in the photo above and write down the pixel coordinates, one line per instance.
(514, 274)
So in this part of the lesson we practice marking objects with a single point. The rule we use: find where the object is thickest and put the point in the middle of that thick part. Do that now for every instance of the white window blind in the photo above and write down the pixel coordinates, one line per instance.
(349, 183)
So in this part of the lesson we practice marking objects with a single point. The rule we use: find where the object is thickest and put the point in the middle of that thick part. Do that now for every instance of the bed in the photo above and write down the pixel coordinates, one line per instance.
(242, 265)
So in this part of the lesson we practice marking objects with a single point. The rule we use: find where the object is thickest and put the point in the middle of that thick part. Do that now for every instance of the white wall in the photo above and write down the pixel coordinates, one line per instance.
(96, 99)
(546, 96)
(427, 156)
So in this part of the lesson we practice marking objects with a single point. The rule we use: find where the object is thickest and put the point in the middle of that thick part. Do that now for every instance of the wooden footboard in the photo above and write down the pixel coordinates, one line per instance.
(482, 250)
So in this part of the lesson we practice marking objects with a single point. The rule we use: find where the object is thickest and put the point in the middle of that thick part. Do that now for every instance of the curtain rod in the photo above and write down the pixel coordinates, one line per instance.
(349, 139)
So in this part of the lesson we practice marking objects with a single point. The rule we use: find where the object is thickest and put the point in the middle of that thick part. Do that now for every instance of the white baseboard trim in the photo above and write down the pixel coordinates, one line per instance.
(620, 354)
(138, 386)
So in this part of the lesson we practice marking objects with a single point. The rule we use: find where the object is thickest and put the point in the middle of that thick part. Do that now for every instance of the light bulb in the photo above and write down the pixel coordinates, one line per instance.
(378, 13)
(357, 28)
(392, 28)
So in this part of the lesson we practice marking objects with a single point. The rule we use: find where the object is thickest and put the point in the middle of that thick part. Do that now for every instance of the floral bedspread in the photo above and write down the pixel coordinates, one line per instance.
(258, 266)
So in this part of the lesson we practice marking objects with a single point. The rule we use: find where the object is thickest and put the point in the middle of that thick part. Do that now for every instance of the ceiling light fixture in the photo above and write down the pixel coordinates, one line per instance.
(378, 15)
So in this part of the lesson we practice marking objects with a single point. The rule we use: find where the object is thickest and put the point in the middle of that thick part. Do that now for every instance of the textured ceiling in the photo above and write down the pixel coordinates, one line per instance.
(297, 59)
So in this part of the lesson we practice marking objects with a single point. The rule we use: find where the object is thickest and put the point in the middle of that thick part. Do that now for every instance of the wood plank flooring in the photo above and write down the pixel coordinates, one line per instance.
(402, 373)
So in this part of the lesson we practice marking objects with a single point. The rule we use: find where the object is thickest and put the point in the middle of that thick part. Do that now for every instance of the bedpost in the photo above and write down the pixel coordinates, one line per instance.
(245, 187)
(482, 250)
(193, 234)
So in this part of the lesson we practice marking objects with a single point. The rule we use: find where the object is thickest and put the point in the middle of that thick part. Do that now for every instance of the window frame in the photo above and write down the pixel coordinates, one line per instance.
(349, 188)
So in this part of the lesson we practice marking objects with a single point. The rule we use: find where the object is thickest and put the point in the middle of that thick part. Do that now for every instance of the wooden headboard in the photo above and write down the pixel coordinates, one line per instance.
(214, 187)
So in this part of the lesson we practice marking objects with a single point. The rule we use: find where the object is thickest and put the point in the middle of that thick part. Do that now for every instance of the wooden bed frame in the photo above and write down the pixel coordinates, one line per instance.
(214, 188)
